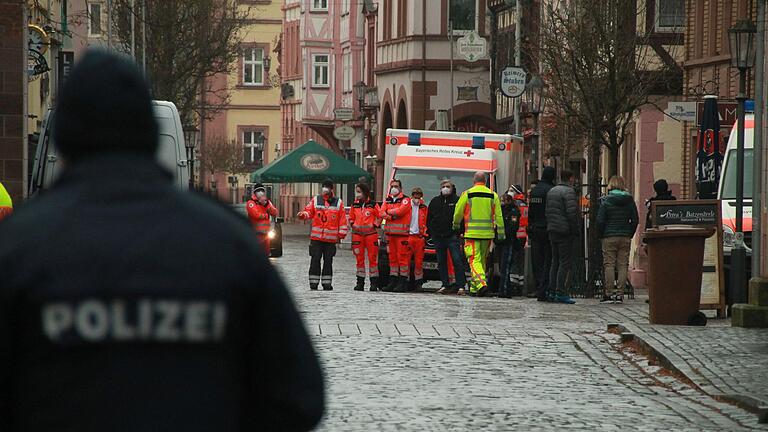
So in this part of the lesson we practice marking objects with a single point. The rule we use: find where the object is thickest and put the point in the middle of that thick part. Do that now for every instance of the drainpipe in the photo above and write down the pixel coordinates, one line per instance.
(757, 152)
(424, 63)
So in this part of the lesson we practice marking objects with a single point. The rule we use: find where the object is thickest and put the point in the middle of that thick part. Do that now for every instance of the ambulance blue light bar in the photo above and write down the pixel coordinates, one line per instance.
(478, 142)
(414, 139)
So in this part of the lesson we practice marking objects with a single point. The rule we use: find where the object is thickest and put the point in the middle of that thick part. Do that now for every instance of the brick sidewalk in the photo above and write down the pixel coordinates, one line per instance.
(723, 361)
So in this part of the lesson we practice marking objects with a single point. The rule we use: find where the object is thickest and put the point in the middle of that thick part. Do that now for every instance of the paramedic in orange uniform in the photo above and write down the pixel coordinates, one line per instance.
(396, 211)
(417, 235)
(260, 208)
(364, 218)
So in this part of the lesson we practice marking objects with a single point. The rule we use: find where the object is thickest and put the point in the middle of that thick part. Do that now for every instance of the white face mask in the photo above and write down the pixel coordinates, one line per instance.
(359, 195)
(510, 193)
(416, 201)
(326, 191)
(394, 191)
(260, 194)
(446, 190)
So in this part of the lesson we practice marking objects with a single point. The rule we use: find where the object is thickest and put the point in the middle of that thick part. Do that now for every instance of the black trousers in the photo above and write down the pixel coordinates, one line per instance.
(541, 251)
(321, 250)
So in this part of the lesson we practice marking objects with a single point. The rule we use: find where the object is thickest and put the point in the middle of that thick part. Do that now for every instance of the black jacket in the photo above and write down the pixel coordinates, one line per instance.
(511, 215)
(537, 206)
(562, 211)
(126, 305)
(440, 216)
(617, 215)
(667, 196)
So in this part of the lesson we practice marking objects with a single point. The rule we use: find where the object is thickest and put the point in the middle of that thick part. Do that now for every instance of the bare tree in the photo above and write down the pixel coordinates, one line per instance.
(190, 43)
(222, 156)
(600, 70)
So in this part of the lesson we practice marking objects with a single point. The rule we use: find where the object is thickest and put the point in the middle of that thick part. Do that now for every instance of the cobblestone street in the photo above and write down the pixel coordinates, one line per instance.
(428, 362)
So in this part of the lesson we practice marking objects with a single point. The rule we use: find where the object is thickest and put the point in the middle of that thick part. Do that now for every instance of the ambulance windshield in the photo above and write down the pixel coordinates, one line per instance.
(729, 180)
(429, 180)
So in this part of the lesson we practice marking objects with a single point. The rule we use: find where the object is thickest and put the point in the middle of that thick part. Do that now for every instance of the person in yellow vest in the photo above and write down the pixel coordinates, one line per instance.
(6, 204)
(480, 209)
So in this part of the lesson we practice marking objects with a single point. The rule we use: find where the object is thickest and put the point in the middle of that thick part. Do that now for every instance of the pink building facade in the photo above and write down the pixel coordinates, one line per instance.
(322, 56)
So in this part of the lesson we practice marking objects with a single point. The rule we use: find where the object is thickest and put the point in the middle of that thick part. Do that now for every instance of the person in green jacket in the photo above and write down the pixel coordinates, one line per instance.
(616, 222)
(480, 209)
(6, 204)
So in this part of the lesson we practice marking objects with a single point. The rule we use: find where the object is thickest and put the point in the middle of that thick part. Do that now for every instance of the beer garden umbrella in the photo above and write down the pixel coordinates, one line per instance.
(310, 163)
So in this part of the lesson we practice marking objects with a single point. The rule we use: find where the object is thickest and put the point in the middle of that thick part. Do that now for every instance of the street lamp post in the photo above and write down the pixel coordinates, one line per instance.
(191, 134)
(534, 92)
(741, 40)
(368, 103)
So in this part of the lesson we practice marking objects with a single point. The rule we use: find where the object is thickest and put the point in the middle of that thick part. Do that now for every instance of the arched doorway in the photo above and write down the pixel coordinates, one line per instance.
(402, 116)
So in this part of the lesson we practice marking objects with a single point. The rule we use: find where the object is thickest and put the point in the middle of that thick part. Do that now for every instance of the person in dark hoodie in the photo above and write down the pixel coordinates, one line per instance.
(541, 250)
(662, 194)
(439, 228)
(616, 222)
(128, 305)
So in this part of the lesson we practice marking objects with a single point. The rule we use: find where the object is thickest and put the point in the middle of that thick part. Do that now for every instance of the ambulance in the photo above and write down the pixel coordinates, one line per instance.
(726, 191)
(424, 158)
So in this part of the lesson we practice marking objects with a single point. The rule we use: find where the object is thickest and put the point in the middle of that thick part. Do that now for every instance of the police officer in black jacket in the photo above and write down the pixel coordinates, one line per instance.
(537, 231)
(126, 305)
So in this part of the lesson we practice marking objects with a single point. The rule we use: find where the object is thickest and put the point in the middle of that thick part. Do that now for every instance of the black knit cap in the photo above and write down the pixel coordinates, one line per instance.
(548, 174)
(328, 183)
(105, 106)
(661, 186)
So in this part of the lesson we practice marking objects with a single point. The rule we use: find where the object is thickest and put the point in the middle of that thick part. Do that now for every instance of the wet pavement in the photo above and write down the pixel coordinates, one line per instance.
(428, 362)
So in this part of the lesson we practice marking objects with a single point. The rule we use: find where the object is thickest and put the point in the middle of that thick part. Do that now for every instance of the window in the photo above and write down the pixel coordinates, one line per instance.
(251, 154)
(94, 19)
(463, 14)
(670, 14)
(253, 66)
(346, 60)
(320, 70)
(319, 5)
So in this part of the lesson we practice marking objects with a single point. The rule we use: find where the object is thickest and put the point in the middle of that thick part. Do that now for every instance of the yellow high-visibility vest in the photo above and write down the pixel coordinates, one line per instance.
(480, 209)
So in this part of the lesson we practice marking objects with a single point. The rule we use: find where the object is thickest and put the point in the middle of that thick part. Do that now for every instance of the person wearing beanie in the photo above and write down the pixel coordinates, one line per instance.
(260, 210)
(127, 304)
(329, 226)
(541, 250)
(662, 194)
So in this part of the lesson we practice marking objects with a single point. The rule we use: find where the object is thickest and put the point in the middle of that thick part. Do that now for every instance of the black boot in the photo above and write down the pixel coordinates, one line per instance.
(402, 284)
(360, 283)
(417, 285)
(391, 285)
(327, 287)
(313, 286)
(374, 283)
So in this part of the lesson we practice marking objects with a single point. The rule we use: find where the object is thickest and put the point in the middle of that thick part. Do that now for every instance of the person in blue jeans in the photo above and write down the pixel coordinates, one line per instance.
(509, 246)
(446, 240)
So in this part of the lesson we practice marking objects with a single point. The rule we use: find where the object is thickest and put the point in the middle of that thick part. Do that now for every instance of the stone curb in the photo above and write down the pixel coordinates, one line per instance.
(673, 362)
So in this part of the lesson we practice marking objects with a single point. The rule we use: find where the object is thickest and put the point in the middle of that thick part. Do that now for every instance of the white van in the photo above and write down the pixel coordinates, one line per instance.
(726, 191)
(171, 151)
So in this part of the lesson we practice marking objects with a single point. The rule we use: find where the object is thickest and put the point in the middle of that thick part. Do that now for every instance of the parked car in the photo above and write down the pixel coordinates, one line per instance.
(275, 231)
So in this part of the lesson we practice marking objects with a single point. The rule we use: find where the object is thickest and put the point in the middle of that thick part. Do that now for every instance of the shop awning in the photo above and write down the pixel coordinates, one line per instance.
(309, 163)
